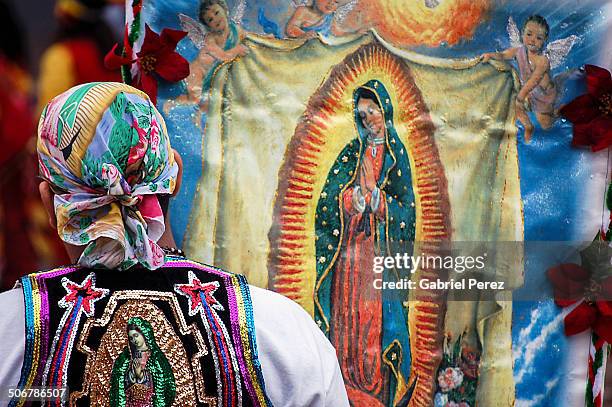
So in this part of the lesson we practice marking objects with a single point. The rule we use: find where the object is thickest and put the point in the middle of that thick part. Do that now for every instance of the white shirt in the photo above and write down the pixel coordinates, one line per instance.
(299, 364)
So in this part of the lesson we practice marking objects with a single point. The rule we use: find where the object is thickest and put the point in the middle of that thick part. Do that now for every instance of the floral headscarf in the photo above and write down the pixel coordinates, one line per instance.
(105, 151)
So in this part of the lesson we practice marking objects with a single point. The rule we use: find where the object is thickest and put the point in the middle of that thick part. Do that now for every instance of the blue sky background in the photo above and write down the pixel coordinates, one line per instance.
(553, 175)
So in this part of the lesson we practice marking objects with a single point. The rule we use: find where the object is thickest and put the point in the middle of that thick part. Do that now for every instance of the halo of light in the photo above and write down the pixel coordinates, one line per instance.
(410, 23)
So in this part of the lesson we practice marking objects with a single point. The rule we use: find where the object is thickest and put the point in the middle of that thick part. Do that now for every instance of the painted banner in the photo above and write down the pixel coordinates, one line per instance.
(321, 139)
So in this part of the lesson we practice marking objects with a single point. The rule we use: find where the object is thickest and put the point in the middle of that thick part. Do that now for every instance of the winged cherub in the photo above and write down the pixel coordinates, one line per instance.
(323, 17)
(539, 89)
(219, 39)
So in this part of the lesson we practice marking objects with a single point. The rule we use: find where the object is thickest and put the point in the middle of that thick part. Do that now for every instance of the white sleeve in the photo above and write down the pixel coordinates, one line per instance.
(299, 365)
(12, 338)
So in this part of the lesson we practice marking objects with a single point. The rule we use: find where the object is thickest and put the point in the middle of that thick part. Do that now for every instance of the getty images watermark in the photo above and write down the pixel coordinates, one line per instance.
(457, 264)
(468, 271)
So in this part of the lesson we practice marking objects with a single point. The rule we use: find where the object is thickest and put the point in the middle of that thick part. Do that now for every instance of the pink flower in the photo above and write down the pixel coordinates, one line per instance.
(450, 379)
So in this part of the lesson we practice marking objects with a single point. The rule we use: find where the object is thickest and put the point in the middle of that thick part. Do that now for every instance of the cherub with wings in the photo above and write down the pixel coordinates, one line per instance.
(218, 37)
(539, 90)
(323, 17)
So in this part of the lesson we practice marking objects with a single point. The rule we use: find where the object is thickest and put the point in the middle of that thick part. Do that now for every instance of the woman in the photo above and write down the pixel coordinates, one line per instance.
(370, 184)
(142, 375)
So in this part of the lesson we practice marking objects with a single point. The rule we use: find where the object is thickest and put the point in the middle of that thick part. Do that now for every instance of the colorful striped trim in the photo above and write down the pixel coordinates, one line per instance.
(243, 329)
(36, 328)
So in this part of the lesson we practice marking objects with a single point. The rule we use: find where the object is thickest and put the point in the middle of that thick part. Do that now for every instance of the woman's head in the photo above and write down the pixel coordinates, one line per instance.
(370, 112)
(535, 33)
(136, 338)
(214, 14)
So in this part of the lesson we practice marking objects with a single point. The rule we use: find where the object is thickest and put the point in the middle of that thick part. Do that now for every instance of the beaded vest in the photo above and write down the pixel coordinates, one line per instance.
(182, 335)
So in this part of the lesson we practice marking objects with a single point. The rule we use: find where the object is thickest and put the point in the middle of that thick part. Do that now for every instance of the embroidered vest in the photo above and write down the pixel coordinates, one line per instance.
(182, 335)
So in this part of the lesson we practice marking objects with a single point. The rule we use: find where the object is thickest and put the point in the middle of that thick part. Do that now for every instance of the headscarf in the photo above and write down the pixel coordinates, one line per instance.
(105, 151)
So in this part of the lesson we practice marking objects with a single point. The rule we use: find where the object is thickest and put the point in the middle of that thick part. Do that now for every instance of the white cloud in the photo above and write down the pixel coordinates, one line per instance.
(525, 333)
(536, 400)
(530, 348)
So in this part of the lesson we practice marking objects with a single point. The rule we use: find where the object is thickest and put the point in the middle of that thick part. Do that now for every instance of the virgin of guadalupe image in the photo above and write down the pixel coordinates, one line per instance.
(366, 206)
(142, 376)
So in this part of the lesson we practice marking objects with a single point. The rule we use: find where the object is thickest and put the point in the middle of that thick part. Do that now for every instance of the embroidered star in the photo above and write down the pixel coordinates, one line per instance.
(412, 204)
(344, 158)
(336, 232)
(324, 195)
(336, 171)
(402, 225)
(196, 292)
(86, 292)
(321, 259)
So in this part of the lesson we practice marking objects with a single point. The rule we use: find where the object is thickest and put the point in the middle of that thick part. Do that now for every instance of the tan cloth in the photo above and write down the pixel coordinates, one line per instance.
(256, 104)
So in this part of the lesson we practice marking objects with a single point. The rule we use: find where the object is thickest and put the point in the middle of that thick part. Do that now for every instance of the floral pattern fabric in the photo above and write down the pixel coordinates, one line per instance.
(105, 151)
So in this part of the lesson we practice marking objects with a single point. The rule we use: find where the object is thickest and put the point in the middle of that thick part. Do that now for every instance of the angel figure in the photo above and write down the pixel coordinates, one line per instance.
(218, 37)
(540, 91)
(325, 17)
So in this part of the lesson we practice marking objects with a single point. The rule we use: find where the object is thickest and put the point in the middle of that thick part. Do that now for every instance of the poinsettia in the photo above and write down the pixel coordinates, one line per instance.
(589, 285)
(157, 57)
(591, 114)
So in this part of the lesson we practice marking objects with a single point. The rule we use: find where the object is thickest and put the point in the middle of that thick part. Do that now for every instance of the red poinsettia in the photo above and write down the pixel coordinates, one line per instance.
(579, 284)
(591, 114)
(157, 57)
